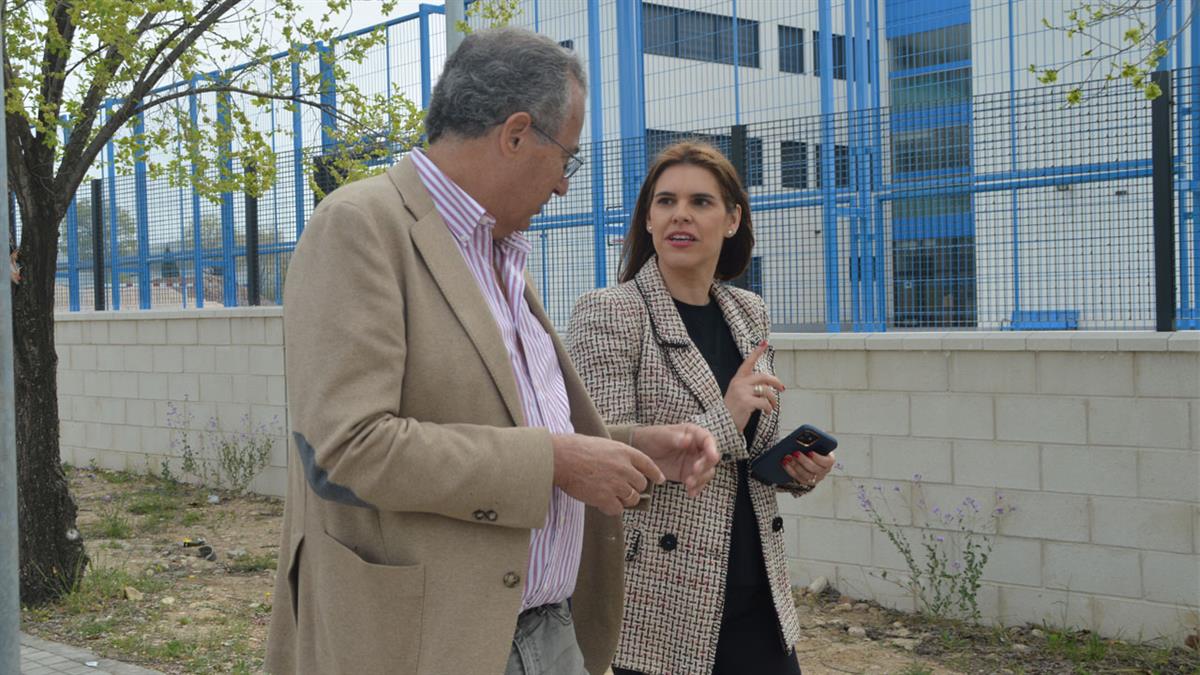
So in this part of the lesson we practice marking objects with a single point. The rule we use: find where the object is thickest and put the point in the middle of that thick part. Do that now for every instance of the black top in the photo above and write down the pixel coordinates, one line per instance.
(708, 330)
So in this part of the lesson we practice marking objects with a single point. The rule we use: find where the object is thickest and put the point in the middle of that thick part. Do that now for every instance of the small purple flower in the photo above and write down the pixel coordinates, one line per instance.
(937, 510)
(1000, 511)
(838, 466)
(896, 488)
(917, 477)
(940, 538)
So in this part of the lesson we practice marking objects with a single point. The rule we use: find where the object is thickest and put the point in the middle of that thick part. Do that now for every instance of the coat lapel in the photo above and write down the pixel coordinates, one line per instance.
(681, 355)
(747, 334)
(445, 262)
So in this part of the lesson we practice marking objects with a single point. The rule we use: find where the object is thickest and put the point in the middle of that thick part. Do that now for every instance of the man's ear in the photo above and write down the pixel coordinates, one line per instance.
(515, 131)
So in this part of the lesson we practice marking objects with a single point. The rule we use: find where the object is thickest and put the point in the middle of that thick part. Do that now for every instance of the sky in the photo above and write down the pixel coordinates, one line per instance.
(361, 13)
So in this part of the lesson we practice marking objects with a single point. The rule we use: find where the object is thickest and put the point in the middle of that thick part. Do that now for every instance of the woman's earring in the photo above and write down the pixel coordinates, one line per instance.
(729, 234)
(649, 229)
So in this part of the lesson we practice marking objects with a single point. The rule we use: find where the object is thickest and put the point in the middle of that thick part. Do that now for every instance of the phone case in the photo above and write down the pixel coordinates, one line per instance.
(767, 467)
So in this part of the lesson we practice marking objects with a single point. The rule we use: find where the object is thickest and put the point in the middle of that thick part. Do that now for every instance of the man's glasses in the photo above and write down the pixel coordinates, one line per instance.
(573, 161)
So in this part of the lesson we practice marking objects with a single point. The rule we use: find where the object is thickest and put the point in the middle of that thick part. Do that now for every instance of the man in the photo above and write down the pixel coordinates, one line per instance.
(454, 498)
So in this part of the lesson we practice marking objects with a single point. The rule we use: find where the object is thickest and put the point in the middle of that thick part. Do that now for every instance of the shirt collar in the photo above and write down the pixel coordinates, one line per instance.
(463, 215)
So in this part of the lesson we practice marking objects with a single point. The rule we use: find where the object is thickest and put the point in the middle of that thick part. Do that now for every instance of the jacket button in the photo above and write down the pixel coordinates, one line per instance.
(777, 524)
(512, 579)
(668, 542)
(479, 514)
(491, 515)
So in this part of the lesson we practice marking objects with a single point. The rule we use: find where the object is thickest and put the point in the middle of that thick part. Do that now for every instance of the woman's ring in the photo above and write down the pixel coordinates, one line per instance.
(758, 390)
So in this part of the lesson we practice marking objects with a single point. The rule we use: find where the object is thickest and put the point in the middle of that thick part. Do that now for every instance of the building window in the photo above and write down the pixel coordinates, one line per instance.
(934, 282)
(839, 55)
(791, 49)
(688, 34)
(841, 165)
(951, 44)
(936, 149)
(793, 164)
(658, 140)
(931, 89)
(752, 278)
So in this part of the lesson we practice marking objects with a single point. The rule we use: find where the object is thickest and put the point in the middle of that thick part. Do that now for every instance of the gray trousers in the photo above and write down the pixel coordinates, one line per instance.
(544, 643)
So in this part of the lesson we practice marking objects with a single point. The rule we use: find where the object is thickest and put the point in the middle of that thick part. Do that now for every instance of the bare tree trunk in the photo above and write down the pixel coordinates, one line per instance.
(51, 549)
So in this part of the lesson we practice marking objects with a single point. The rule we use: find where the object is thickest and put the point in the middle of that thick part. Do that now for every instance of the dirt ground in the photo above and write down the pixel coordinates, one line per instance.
(151, 600)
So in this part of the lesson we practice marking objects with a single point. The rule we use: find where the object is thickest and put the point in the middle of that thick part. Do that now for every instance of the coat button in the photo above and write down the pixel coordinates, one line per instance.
(479, 514)
(777, 524)
(668, 542)
(491, 515)
(512, 579)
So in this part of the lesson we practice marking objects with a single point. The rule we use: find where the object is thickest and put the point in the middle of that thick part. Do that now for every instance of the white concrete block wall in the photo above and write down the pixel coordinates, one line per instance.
(1092, 436)
(118, 371)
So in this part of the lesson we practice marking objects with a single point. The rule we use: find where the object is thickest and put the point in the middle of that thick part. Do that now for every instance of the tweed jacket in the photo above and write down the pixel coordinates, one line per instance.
(639, 364)
(412, 487)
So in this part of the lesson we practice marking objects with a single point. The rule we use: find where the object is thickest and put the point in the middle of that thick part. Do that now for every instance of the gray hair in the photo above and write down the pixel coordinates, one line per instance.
(495, 73)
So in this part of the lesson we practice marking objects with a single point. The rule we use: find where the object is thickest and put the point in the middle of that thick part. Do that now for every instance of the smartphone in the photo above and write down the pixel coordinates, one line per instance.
(768, 467)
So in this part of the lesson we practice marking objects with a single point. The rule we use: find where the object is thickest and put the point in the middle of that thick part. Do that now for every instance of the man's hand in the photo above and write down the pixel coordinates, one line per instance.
(602, 473)
(686, 453)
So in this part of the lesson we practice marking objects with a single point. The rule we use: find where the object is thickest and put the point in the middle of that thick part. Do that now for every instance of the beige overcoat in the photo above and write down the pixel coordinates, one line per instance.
(412, 485)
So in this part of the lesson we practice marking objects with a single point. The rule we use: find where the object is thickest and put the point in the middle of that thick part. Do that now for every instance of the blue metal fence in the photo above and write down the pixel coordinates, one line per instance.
(958, 194)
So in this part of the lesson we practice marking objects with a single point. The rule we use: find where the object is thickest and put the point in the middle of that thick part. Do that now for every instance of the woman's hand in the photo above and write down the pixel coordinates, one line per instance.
(809, 469)
(749, 391)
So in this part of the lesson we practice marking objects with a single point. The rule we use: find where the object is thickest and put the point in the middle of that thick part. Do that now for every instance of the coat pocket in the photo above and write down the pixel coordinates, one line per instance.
(368, 616)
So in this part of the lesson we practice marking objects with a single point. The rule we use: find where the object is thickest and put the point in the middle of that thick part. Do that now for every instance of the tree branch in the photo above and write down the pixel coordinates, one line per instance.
(54, 59)
(71, 173)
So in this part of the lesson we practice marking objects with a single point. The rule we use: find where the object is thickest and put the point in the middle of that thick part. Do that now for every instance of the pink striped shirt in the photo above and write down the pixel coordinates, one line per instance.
(554, 549)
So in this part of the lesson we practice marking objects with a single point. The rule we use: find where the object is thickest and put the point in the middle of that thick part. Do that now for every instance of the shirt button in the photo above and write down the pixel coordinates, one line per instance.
(668, 542)
(777, 524)
(512, 579)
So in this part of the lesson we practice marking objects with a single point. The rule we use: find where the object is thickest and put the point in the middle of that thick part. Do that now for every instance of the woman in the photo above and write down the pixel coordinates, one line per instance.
(706, 580)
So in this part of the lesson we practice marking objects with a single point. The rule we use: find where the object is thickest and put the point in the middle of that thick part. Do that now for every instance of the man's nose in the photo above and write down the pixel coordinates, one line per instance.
(561, 188)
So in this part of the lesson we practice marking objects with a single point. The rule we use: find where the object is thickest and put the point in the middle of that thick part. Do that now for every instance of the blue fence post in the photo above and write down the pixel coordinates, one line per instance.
(143, 214)
(183, 290)
(225, 165)
(197, 233)
(632, 100)
(72, 243)
(297, 146)
(737, 58)
(596, 119)
(114, 249)
(275, 204)
(1012, 144)
(426, 68)
(861, 144)
(878, 269)
(828, 192)
(325, 56)
(1189, 273)
(850, 74)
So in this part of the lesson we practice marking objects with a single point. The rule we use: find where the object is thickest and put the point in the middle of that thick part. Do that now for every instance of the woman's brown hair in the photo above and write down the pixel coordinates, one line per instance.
(735, 252)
